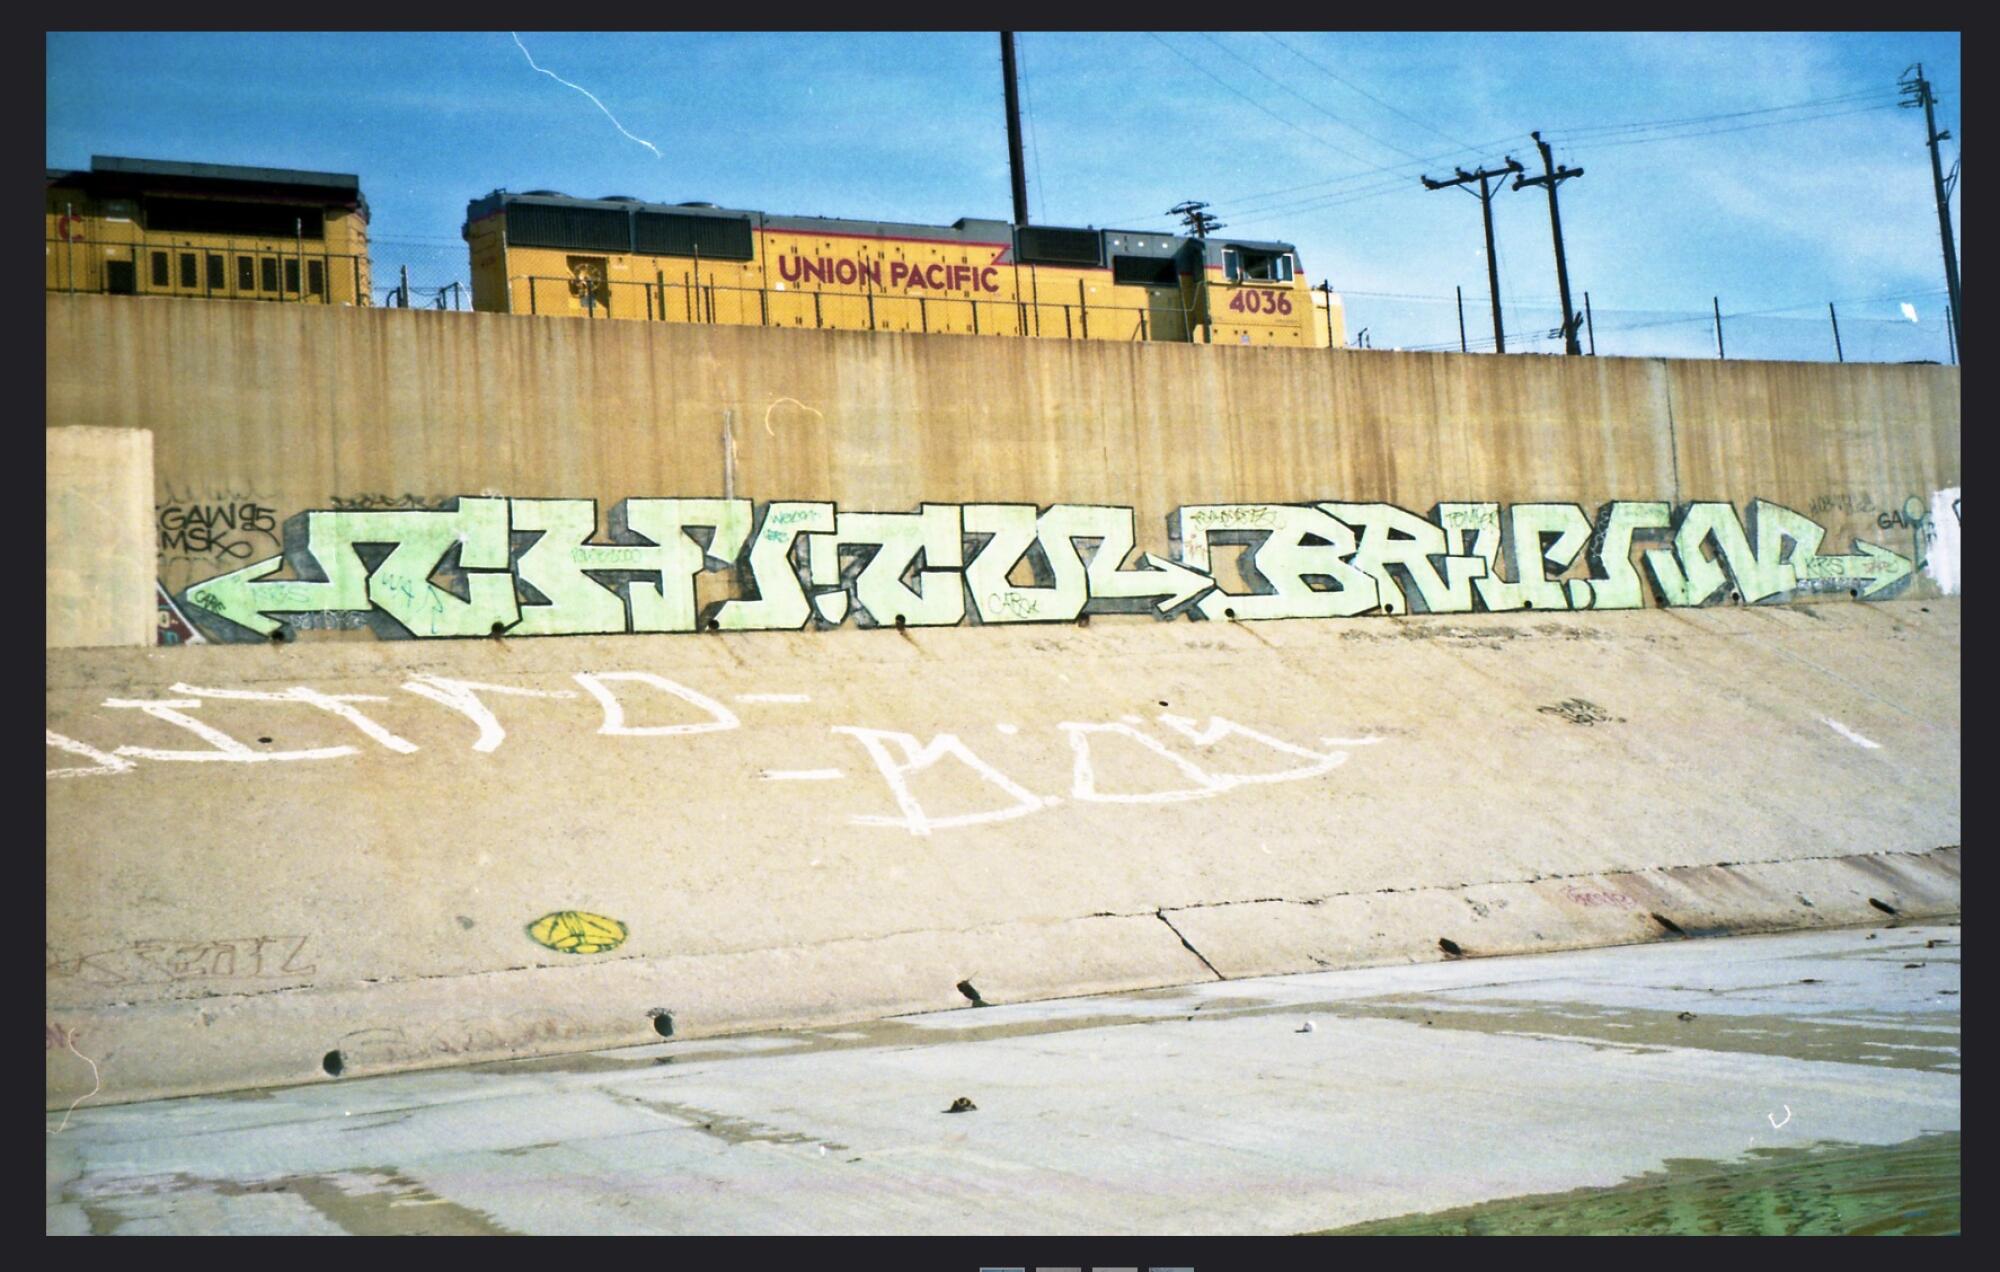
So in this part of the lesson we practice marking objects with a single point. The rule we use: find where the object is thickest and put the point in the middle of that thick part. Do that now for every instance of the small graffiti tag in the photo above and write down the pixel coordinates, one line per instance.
(1579, 711)
(577, 932)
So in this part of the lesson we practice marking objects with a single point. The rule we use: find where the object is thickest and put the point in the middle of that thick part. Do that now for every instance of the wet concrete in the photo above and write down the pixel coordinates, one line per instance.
(1591, 1090)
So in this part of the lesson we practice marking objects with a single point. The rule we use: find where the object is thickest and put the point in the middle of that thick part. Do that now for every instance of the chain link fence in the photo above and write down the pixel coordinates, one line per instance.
(421, 273)
(1912, 328)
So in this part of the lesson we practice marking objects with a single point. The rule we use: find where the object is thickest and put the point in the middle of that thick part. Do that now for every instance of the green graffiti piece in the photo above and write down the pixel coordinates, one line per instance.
(400, 586)
(935, 530)
(1688, 576)
(1526, 554)
(1283, 559)
(1614, 582)
(1172, 582)
(1870, 570)
(669, 605)
(1380, 525)
(994, 599)
(1101, 585)
(234, 596)
(781, 603)
(1776, 571)
(554, 565)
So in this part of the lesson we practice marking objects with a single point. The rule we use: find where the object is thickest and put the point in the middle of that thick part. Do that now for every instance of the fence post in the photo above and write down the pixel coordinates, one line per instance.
(1082, 309)
(1590, 324)
(923, 316)
(533, 305)
(1717, 300)
(1461, 317)
(1951, 331)
(818, 320)
(975, 317)
(1067, 332)
(1839, 355)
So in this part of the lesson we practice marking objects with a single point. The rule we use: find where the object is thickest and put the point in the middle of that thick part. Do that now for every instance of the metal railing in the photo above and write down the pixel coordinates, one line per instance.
(233, 269)
(689, 300)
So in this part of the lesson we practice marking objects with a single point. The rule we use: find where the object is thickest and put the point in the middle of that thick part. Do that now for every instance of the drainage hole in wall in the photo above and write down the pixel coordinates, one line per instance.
(899, 620)
(1229, 613)
(971, 994)
(1853, 594)
(715, 624)
(1450, 946)
(1668, 924)
(498, 628)
(332, 1063)
(663, 1022)
(1883, 906)
(265, 741)
(1083, 620)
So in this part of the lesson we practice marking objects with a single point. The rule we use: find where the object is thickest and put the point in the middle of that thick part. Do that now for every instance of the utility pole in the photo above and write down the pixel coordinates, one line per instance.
(1552, 177)
(1486, 214)
(1919, 90)
(1194, 218)
(1014, 128)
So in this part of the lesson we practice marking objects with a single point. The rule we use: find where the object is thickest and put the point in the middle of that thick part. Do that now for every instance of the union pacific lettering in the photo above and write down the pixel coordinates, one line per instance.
(847, 271)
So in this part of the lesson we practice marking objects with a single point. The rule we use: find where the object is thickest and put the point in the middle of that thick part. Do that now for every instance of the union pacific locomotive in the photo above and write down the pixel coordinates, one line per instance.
(220, 232)
(620, 258)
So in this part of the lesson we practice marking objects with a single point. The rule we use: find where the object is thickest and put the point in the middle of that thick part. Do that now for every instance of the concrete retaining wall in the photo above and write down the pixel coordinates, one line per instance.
(270, 863)
(290, 408)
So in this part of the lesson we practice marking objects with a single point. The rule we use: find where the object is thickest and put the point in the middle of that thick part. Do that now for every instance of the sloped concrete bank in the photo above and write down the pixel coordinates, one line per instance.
(273, 865)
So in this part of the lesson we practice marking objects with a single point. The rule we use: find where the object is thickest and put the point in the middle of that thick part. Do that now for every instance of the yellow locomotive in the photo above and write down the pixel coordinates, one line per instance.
(146, 227)
(618, 257)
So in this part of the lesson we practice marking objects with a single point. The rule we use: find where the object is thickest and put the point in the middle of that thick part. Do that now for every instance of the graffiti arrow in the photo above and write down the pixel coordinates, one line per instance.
(1174, 582)
(1177, 583)
(1874, 566)
(229, 596)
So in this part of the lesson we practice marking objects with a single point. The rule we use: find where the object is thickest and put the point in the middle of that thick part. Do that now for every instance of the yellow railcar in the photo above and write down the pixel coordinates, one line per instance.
(620, 258)
(146, 227)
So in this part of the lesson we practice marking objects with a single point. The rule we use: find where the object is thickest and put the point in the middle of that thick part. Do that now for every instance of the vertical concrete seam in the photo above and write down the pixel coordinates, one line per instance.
(1673, 442)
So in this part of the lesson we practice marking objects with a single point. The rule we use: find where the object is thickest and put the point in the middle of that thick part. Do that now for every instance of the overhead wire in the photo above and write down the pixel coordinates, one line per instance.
(1329, 71)
(1283, 87)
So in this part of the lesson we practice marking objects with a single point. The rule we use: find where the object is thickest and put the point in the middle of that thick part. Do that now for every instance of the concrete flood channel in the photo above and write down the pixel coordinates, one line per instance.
(1805, 1082)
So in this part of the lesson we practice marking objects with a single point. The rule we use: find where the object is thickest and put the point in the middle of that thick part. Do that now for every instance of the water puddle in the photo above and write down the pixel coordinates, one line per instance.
(1828, 1190)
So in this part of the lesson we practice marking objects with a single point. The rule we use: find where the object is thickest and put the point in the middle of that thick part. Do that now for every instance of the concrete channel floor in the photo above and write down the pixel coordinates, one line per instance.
(1205, 1109)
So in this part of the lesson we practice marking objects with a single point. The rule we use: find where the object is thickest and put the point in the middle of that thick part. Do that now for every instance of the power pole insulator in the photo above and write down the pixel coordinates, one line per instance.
(1195, 218)
(1486, 193)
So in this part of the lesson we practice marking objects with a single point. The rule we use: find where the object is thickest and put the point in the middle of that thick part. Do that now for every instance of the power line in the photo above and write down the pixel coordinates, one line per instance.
(1253, 101)
(1309, 101)
(1591, 130)
(1365, 93)
(1716, 132)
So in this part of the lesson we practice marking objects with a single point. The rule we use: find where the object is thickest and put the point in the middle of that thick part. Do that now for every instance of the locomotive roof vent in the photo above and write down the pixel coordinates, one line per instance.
(618, 198)
(695, 203)
(547, 194)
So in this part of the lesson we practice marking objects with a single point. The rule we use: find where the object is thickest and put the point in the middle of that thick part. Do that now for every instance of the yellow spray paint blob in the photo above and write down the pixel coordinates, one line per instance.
(578, 932)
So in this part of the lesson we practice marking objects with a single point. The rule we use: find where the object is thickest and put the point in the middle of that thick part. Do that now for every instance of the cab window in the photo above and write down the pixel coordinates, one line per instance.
(1243, 264)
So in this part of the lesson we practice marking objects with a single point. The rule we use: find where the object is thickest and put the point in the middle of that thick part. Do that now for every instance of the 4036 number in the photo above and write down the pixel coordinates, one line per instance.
(1261, 302)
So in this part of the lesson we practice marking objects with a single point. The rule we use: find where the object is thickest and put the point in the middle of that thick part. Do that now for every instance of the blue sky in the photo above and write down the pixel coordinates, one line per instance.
(1308, 137)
